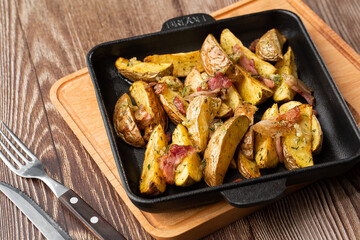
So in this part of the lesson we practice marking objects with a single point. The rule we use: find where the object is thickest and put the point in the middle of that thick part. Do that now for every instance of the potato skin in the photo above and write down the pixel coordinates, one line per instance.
(221, 148)
(317, 135)
(152, 181)
(144, 95)
(189, 171)
(215, 59)
(201, 111)
(135, 70)
(297, 146)
(265, 150)
(124, 122)
(270, 45)
(247, 168)
(283, 92)
(183, 62)
(228, 40)
(252, 90)
(167, 100)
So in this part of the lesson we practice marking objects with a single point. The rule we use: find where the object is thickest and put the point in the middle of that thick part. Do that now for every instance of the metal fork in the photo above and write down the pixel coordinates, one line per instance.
(33, 169)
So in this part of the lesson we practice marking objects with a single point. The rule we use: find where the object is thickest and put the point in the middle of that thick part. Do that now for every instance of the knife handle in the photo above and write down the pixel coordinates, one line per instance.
(89, 217)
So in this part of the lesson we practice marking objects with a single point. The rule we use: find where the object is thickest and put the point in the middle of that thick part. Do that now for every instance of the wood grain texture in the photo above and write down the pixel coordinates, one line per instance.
(44, 40)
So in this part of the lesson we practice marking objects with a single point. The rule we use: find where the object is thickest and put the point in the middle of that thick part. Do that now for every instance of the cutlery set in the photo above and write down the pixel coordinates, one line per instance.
(32, 168)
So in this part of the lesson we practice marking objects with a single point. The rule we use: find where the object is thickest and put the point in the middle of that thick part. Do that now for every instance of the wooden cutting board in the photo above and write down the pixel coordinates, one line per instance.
(74, 98)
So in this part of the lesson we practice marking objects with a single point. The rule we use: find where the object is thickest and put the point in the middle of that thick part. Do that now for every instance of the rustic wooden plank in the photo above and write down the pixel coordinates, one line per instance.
(47, 40)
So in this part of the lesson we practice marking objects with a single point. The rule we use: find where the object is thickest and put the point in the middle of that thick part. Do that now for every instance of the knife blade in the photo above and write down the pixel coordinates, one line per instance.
(46, 225)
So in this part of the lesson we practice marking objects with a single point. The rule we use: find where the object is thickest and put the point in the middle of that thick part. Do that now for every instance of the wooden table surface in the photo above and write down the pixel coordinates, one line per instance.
(44, 40)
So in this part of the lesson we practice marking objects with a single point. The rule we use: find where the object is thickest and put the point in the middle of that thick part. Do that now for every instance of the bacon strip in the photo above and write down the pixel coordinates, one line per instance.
(159, 88)
(142, 117)
(212, 93)
(267, 82)
(245, 62)
(219, 81)
(280, 125)
(300, 87)
(179, 105)
(172, 159)
(249, 65)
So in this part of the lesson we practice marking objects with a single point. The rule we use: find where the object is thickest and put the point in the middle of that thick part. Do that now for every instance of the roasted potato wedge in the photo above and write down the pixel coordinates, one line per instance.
(182, 62)
(247, 144)
(228, 41)
(135, 70)
(201, 111)
(224, 111)
(265, 150)
(283, 92)
(270, 45)
(214, 59)
(316, 131)
(125, 124)
(297, 145)
(246, 167)
(246, 109)
(189, 171)
(168, 99)
(173, 83)
(221, 148)
(317, 135)
(234, 98)
(192, 81)
(252, 90)
(144, 95)
(152, 181)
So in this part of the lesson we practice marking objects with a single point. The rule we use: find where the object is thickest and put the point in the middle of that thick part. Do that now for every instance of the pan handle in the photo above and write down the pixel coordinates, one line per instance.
(187, 21)
(254, 194)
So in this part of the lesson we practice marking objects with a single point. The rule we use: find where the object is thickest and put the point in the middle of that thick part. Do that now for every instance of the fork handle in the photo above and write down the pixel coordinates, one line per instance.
(89, 217)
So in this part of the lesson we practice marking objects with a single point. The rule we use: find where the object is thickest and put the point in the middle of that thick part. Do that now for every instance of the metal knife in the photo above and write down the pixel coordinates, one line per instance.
(47, 226)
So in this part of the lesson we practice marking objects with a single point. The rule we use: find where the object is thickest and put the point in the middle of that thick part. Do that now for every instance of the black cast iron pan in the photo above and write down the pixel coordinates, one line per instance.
(341, 135)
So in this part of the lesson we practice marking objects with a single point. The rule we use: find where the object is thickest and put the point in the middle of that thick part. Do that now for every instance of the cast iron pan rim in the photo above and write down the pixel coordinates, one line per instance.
(158, 199)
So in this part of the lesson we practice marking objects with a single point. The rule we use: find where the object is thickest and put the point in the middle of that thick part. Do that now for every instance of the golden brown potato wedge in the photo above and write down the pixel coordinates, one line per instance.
(283, 92)
(152, 181)
(269, 47)
(234, 98)
(221, 149)
(247, 144)
(224, 111)
(265, 150)
(135, 70)
(316, 131)
(173, 83)
(213, 57)
(252, 90)
(189, 171)
(246, 167)
(183, 62)
(193, 80)
(125, 124)
(297, 146)
(168, 98)
(317, 135)
(144, 95)
(200, 113)
(228, 40)
(246, 109)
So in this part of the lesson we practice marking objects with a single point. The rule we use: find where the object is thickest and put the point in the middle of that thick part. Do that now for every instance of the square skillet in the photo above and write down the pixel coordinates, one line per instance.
(341, 142)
